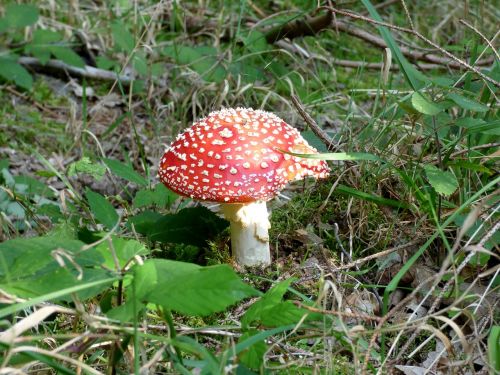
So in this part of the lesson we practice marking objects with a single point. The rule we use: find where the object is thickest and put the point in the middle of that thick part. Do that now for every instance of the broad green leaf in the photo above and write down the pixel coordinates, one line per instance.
(494, 348)
(188, 288)
(67, 55)
(14, 72)
(103, 211)
(179, 227)
(444, 182)
(59, 264)
(85, 165)
(160, 196)
(122, 37)
(423, 105)
(144, 221)
(466, 103)
(21, 15)
(125, 171)
(123, 249)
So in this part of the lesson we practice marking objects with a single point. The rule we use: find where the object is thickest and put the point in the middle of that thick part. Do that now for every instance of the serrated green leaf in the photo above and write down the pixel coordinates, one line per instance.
(188, 288)
(103, 211)
(125, 171)
(85, 165)
(444, 182)
(21, 15)
(14, 72)
(423, 105)
(122, 37)
(466, 103)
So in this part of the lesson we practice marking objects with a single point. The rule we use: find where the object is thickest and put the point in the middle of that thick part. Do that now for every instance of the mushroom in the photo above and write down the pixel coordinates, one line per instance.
(235, 157)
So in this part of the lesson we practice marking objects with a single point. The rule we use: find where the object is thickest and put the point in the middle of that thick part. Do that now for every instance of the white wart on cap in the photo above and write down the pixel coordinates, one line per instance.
(233, 156)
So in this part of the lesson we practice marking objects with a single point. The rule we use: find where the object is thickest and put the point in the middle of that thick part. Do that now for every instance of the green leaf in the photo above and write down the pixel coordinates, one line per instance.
(103, 211)
(67, 55)
(160, 196)
(466, 103)
(494, 348)
(59, 264)
(14, 72)
(122, 37)
(125, 171)
(256, 41)
(188, 288)
(42, 40)
(423, 105)
(21, 15)
(144, 221)
(203, 60)
(253, 356)
(122, 251)
(444, 182)
(85, 165)
(179, 227)
(271, 311)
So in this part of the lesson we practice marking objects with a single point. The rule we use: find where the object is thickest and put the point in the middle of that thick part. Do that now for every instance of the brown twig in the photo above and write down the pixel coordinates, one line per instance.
(312, 26)
(300, 27)
(339, 313)
(86, 72)
(419, 36)
(320, 133)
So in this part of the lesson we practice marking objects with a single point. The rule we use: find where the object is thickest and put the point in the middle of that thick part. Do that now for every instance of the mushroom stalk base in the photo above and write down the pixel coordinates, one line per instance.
(249, 232)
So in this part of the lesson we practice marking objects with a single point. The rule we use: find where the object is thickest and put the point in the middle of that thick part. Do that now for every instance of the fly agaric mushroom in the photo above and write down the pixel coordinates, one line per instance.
(234, 157)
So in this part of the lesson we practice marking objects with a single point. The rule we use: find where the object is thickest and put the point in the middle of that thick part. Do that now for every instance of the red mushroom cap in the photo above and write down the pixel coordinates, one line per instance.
(233, 156)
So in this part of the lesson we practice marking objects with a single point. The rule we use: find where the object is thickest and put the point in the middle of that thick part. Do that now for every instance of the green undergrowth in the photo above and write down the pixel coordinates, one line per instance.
(107, 270)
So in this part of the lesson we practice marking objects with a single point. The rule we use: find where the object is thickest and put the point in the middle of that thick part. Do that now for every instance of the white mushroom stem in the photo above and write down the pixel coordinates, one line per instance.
(249, 232)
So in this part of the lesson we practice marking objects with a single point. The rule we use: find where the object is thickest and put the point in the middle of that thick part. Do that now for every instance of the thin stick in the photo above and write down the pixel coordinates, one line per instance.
(320, 133)
(86, 72)
(418, 35)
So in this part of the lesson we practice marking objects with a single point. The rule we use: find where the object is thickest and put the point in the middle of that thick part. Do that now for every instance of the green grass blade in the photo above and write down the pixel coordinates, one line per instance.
(408, 70)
